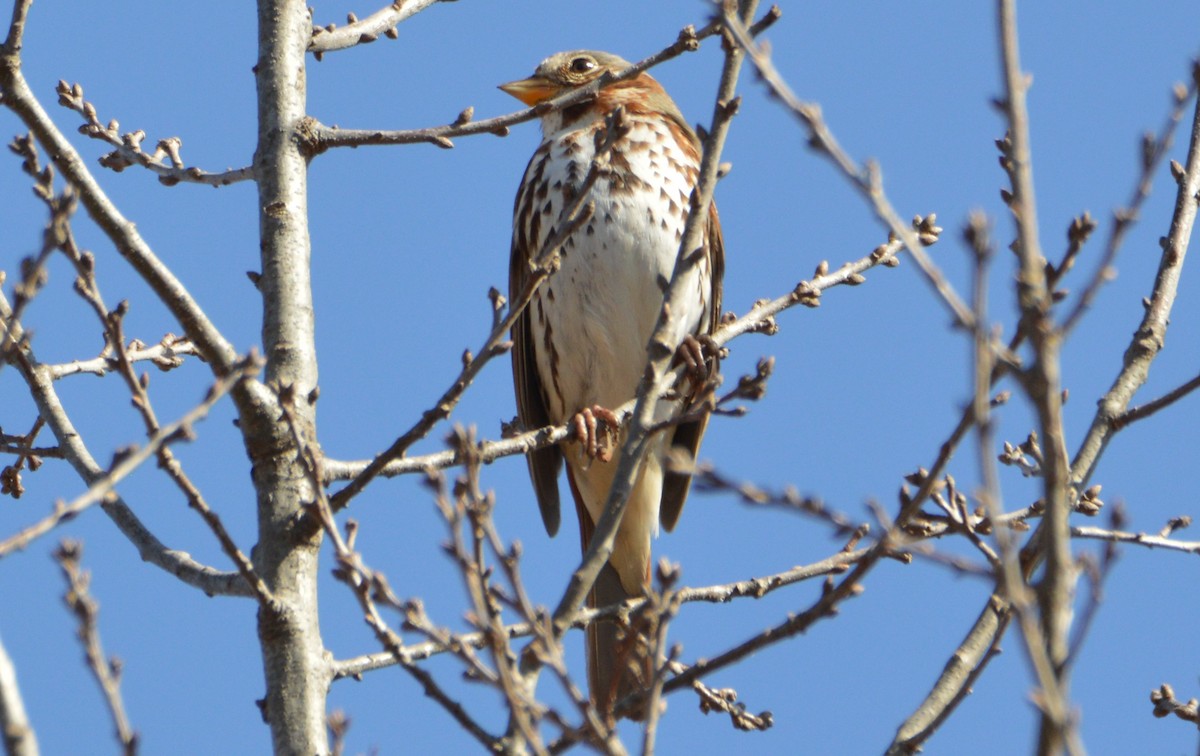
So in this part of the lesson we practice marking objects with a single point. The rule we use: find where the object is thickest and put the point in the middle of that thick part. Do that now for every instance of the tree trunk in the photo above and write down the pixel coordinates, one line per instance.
(294, 661)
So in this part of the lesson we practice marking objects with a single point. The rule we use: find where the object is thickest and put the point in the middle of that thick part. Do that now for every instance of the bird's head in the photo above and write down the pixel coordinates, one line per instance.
(563, 72)
(567, 71)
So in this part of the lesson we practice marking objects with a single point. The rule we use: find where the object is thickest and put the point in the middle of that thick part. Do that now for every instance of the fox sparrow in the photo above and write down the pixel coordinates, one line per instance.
(580, 346)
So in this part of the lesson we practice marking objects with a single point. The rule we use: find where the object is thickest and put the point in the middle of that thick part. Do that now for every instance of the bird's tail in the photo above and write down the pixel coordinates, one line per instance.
(617, 657)
(618, 662)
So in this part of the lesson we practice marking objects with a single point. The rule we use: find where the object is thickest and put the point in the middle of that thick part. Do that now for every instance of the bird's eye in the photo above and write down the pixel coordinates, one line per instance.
(582, 65)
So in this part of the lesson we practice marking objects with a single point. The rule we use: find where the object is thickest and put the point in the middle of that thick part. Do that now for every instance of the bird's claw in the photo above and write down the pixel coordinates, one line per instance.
(693, 353)
(596, 431)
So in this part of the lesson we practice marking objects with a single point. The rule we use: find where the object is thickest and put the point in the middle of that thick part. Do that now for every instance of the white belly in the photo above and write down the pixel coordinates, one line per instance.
(603, 303)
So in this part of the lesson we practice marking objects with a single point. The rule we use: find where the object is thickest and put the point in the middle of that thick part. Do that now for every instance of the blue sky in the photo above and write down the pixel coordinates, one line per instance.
(406, 242)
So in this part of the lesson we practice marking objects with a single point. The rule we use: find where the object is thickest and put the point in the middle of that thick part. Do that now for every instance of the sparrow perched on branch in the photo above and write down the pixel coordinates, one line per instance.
(580, 347)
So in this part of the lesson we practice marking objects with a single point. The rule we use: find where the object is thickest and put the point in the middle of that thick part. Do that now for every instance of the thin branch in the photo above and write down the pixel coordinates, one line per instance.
(16, 29)
(1150, 335)
(369, 586)
(547, 260)
(166, 161)
(725, 700)
(992, 622)
(360, 32)
(1165, 704)
(824, 607)
(106, 671)
(323, 137)
(10, 476)
(114, 329)
(61, 207)
(709, 479)
(1048, 649)
(1141, 412)
(982, 643)
(1150, 541)
(167, 354)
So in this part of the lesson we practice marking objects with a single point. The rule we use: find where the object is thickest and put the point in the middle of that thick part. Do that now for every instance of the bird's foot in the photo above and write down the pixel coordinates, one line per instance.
(596, 431)
(693, 353)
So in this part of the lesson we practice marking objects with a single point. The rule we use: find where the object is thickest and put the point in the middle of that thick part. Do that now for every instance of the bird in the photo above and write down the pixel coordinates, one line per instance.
(579, 348)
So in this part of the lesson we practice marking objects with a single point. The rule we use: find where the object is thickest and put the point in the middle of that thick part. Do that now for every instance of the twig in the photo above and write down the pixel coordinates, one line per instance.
(725, 700)
(323, 137)
(107, 671)
(369, 586)
(1042, 382)
(989, 628)
(709, 479)
(469, 509)
(61, 207)
(166, 355)
(128, 147)
(360, 32)
(20, 99)
(1096, 575)
(1150, 334)
(1165, 704)
(338, 724)
(1136, 539)
(1143, 411)
(10, 476)
(826, 606)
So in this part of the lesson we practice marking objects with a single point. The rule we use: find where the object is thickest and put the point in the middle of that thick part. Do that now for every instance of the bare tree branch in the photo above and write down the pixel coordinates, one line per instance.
(166, 355)
(1043, 384)
(1165, 704)
(323, 137)
(718, 594)
(360, 32)
(128, 147)
(15, 729)
(107, 671)
(1133, 414)
(993, 620)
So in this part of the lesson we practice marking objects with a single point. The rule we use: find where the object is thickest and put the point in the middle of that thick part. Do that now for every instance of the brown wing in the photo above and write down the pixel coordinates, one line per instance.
(544, 464)
(688, 435)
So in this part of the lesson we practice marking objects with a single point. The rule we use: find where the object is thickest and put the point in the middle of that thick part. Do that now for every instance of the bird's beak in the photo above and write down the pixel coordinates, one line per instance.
(531, 91)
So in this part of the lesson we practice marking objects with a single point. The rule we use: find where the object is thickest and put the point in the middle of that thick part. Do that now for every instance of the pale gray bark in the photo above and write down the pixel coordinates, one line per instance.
(19, 738)
(294, 660)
